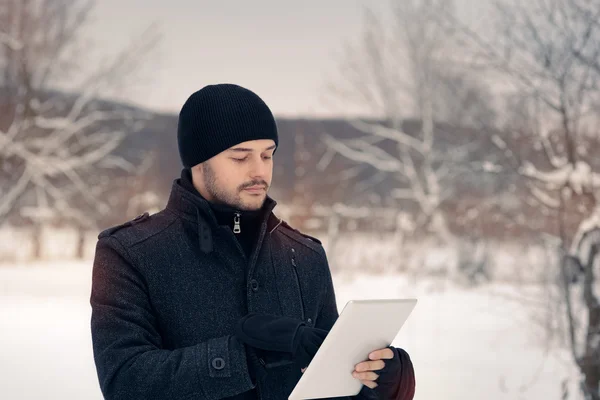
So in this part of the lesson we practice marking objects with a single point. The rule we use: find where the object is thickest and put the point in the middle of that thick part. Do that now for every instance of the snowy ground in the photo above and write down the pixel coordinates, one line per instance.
(465, 344)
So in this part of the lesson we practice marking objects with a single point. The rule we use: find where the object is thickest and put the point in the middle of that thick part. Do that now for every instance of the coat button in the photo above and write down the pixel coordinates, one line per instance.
(218, 363)
(309, 321)
(254, 285)
(294, 262)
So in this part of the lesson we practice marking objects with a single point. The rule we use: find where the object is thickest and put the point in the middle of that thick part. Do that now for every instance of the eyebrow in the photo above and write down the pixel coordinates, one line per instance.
(246, 150)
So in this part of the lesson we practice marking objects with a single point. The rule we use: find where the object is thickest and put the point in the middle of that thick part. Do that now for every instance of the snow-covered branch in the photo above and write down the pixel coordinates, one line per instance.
(556, 161)
(407, 70)
(589, 224)
(549, 51)
(10, 42)
(543, 197)
(7, 200)
(365, 153)
(579, 178)
(62, 140)
(388, 133)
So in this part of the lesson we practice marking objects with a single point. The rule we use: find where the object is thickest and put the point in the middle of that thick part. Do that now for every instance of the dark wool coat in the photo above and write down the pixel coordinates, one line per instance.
(168, 289)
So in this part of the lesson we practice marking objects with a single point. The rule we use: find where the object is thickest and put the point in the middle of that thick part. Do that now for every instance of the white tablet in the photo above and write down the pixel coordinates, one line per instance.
(363, 326)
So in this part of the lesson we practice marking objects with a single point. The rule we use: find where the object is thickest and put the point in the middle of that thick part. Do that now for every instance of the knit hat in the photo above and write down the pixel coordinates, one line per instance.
(218, 117)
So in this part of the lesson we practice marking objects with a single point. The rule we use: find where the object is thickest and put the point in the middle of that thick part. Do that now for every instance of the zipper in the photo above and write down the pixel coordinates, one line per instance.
(237, 229)
(257, 248)
(259, 395)
(251, 265)
(236, 223)
(298, 283)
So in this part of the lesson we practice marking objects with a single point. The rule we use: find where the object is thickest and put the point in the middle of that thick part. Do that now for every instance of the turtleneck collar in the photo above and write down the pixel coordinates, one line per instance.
(224, 213)
(186, 202)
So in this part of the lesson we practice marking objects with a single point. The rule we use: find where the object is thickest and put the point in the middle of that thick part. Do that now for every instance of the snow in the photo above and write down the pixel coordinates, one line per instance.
(56, 243)
(488, 166)
(579, 177)
(498, 142)
(45, 338)
(10, 41)
(465, 344)
(544, 197)
(469, 344)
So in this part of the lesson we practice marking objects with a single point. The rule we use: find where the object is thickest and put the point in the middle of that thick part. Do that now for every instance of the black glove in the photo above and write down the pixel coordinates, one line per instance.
(281, 334)
(397, 378)
(308, 343)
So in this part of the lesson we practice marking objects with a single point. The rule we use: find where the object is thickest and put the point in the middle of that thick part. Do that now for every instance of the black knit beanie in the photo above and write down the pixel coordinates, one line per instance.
(218, 117)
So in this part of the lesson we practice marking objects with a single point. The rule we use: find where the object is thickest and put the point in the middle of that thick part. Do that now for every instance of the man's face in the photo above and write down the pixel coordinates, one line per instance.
(239, 176)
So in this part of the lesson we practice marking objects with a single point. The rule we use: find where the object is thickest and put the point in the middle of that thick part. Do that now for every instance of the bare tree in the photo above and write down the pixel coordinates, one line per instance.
(57, 146)
(546, 53)
(404, 68)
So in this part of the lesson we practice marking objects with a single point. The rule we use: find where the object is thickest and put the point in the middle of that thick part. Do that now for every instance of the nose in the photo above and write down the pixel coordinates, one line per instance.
(259, 168)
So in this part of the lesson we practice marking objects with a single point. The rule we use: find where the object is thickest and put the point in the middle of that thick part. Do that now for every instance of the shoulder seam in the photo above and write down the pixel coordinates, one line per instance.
(143, 237)
(155, 233)
(317, 250)
(114, 229)
(125, 251)
(309, 237)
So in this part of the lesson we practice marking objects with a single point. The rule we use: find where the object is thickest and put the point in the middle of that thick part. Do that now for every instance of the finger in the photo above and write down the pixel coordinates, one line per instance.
(370, 376)
(370, 366)
(385, 353)
(302, 370)
(370, 384)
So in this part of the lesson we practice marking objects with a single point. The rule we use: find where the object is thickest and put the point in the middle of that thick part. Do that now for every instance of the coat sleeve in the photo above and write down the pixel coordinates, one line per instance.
(130, 360)
(405, 389)
(326, 319)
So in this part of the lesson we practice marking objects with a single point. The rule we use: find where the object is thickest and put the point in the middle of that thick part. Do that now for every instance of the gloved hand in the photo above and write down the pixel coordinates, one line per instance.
(281, 334)
(397, 378)
(308, 342)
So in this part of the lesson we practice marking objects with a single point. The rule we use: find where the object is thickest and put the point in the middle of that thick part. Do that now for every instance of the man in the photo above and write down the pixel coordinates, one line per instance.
(214, 297)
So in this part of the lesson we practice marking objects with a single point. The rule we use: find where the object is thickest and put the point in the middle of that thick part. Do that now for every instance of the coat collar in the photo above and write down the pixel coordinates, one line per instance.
(196, 209)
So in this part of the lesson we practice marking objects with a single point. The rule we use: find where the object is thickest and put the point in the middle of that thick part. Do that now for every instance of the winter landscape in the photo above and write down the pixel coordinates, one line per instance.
(465, 344)
(444, 150)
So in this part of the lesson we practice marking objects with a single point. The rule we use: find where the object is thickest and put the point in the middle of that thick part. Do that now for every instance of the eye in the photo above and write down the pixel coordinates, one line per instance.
(240, 159)
(267, 157)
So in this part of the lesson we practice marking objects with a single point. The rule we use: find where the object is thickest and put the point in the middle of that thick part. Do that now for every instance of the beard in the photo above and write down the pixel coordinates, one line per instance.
(233, 199)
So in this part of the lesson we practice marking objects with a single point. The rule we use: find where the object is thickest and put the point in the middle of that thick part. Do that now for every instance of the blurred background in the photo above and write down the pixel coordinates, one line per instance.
(440, 149)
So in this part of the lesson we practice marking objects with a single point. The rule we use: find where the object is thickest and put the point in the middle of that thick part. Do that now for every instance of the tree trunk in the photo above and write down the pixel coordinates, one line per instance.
(80, 243)
(37, 241)
(590, 362)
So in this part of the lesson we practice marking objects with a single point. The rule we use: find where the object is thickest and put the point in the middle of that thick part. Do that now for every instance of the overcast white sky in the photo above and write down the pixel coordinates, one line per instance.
(282, 50)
